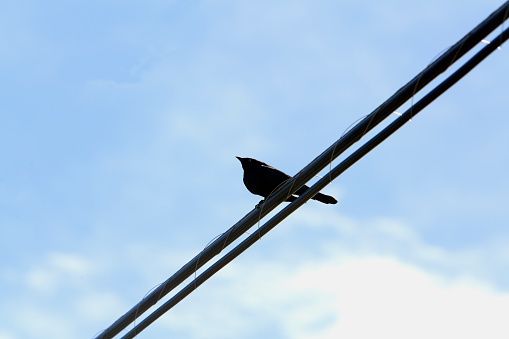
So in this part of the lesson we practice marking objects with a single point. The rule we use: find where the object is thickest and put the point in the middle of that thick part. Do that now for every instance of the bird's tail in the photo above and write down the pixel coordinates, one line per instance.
(326, 199)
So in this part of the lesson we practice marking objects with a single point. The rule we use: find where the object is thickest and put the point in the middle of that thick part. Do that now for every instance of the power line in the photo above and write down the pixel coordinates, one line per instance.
(383, 111)
(344, 165)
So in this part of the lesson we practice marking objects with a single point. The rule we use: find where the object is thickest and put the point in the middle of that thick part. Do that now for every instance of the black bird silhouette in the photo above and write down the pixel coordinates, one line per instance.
(262, 179)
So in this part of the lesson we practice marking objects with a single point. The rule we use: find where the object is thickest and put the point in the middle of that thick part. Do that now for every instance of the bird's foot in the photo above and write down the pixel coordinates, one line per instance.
(260, 204)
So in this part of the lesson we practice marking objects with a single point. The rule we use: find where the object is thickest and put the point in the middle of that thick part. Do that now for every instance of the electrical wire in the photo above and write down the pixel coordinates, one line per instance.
(383, 111)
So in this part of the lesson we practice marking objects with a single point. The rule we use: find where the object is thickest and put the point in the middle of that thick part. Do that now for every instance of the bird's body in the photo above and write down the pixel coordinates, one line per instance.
(262, 179)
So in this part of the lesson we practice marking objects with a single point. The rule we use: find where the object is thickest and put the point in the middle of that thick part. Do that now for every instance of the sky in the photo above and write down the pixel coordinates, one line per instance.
(120, 123)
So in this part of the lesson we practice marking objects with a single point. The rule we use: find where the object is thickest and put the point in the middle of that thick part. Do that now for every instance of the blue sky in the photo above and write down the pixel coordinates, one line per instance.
(121, 121)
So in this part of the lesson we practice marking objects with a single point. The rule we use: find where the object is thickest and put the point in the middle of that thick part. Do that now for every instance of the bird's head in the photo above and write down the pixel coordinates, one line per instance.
(244, 162)
(249, 162)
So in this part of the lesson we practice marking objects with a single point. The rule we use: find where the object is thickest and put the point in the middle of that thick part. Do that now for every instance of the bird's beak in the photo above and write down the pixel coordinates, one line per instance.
(240, 159)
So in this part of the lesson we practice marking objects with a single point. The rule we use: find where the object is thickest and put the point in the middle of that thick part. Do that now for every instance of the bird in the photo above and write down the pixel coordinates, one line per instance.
(262, 179)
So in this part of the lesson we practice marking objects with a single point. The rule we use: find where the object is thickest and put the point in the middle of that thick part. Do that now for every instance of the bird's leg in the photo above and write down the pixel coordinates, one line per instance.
(260, 203)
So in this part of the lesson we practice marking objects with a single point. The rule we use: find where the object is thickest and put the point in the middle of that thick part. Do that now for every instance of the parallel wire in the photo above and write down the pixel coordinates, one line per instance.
(372, 120)
(343, 166)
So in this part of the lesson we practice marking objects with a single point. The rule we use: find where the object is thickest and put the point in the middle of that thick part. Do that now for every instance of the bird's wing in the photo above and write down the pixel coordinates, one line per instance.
(281, 176)
(272, 175)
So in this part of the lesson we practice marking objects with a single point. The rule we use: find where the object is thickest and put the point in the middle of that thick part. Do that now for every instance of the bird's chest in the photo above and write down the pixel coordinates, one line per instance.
(257, 184)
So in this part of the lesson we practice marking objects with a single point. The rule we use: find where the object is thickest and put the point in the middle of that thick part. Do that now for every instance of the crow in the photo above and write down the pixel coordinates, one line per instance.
(262, 179)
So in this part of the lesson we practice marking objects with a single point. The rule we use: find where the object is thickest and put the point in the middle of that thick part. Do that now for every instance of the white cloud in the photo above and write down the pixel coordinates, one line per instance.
(353, 297)
(382, 296)
(58, 270)
(323, 290)
(36, 322)
(100, 306)
(388, 282)
(41, 280)
(396, 237)
(70, 264)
